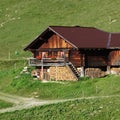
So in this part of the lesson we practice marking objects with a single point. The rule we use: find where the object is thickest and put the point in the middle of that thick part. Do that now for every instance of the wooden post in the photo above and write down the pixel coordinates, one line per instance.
(96, 89)
(83, 64)
(9, 56)
(108, 69)
(15, 66)
(108, 65)
(56, 73)
(83, 94)
(42, 67)
(64, 56)
(82, 71)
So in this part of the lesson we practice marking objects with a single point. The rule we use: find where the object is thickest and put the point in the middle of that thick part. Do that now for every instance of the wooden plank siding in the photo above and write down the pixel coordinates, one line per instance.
(114, 58)
(96, 57)
(83, 57)
(55, 42)
(96, 61)
(75, 57)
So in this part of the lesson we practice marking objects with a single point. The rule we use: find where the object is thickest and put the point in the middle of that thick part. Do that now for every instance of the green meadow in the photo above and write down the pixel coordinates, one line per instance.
(20, 22)
(85, 109)
(23, 84)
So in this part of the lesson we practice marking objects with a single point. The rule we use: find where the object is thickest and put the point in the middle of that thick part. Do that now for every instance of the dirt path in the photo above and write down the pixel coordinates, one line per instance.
(22, 102)
(25, 103)
(12, 98)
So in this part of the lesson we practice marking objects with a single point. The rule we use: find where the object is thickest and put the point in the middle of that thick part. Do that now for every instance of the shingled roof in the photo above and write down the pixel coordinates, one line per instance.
(79, 37)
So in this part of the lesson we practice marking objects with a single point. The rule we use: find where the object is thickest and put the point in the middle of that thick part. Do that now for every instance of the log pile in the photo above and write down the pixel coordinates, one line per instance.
(115, 71)
(61, 73)
(94, 72)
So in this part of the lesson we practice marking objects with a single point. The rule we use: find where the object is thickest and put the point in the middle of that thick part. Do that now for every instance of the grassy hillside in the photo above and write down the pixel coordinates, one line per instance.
(22, 20)
(86, 109)
(11, 81)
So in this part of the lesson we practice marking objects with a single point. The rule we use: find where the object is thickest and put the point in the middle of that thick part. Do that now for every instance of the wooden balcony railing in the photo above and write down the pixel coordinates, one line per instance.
(47, 62)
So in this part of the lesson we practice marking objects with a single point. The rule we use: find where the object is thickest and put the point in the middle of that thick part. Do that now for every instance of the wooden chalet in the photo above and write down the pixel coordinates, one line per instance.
(68, 53)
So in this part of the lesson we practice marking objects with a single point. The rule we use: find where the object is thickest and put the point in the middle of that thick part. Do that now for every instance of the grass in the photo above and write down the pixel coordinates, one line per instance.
(85, 109)
(4, 104)
(21, 21)
(23, 84)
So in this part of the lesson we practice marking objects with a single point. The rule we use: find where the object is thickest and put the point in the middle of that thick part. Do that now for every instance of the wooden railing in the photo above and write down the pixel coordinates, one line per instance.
(47, 62)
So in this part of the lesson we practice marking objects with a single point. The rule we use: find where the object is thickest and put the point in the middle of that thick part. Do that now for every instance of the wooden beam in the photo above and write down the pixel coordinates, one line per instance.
(50, 49)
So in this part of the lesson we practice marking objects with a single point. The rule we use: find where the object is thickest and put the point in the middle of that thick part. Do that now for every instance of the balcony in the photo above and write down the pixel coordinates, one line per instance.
(47, 62)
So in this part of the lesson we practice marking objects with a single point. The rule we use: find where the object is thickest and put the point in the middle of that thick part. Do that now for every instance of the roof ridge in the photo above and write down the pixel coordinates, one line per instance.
(77, 26)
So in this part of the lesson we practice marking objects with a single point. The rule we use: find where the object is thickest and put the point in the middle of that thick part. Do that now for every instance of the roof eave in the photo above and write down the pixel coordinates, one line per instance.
(36, 39)
(114, 47)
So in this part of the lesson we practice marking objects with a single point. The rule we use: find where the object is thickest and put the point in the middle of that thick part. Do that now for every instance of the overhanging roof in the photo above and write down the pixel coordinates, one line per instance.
(115, 40)
(79, 37)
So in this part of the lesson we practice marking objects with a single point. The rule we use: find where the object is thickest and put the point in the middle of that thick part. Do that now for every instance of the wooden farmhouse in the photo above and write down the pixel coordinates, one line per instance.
(68, 53)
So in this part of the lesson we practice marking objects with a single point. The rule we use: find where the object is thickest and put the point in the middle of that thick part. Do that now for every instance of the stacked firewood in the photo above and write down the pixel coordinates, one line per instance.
(115, 71)
(61, 73)
(94, 72)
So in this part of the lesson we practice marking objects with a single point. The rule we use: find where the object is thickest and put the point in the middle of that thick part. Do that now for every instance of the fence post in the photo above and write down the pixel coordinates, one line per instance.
(96, 89)
(9, 55)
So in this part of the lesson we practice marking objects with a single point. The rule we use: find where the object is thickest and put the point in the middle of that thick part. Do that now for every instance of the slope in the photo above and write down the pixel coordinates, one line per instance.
(22, 20)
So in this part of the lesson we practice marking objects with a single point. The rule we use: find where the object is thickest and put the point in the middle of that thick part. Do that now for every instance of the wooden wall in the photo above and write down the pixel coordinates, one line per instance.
(88, 58)
(92, 58)
(102, 58)
(96, 58)
(56, 42)
(75, 57)
(114, 58)
(96, 61)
